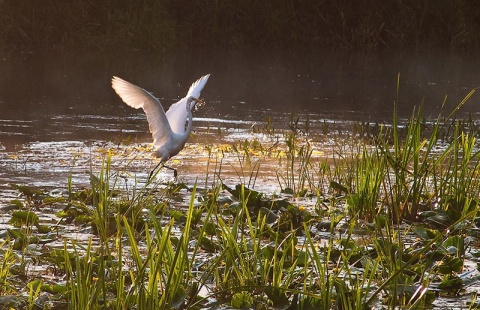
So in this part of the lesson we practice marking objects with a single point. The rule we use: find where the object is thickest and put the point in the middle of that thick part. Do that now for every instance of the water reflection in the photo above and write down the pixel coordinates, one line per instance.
(56, 97)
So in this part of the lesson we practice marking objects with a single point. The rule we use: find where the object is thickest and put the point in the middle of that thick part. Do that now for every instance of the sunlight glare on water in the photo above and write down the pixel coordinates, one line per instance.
(60, 115)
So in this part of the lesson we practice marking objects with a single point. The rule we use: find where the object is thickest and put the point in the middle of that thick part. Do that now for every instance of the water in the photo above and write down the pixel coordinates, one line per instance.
(54, 97)
(316, 82)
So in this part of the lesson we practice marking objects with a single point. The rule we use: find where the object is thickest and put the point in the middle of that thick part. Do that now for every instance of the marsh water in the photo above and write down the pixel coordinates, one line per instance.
(59, 116)
(58, 111)
(57, 108)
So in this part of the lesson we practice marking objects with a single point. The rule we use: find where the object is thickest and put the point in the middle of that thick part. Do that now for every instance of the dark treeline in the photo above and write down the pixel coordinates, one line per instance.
(162, 25)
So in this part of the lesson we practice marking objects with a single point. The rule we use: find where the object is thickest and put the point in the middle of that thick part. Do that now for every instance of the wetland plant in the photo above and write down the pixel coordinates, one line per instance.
(392, 226)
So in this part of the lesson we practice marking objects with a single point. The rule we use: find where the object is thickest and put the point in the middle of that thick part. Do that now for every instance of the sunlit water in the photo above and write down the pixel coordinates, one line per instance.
(60, 117)
(59, 113)
(210, 150)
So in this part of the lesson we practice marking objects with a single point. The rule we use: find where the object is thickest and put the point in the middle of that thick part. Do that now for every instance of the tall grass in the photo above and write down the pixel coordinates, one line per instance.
(8, 259)
(297, 175)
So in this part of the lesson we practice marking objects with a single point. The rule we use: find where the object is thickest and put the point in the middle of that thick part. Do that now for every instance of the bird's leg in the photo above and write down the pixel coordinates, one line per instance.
(173, 169)
(153, 170)
(163, 166)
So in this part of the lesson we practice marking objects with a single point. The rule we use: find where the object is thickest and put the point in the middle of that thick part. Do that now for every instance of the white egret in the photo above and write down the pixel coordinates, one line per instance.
(168, 129)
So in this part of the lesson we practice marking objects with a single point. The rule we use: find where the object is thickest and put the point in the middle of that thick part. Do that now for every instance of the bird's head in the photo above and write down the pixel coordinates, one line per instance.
(193, 102)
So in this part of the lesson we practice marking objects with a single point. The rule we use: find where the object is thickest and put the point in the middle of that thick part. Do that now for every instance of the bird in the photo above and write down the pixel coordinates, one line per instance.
(167, 129)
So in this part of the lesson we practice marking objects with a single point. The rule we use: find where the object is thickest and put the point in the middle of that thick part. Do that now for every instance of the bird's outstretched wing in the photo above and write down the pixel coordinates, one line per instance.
(177, 113)
(197, 86)
(137, 97)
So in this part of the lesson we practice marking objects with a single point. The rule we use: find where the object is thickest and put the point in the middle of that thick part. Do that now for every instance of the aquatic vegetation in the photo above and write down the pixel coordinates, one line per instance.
(387, 216)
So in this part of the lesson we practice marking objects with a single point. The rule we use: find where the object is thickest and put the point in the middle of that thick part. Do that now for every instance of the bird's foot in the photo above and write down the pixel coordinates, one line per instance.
(175, 173)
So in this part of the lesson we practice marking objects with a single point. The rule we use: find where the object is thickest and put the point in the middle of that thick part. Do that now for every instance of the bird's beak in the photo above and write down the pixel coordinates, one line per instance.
(200, 103)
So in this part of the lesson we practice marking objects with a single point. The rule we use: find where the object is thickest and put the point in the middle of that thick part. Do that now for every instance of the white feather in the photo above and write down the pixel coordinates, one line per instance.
(177, 113)
(168, 129)
(137, 97)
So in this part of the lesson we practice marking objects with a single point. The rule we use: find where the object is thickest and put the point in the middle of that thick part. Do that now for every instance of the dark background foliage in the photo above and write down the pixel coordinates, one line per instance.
(160, 25)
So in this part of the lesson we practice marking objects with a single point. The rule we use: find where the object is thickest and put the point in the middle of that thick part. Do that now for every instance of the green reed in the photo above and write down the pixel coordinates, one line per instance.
(86, 286)
(8, 259)
(368, 180)
(297, 174)
(458, 184)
